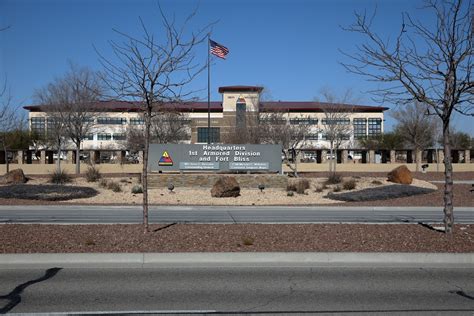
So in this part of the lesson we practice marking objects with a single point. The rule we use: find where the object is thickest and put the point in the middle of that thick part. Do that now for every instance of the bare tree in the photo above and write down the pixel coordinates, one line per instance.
(416, 127)
(272, 127)
(168, 126)
(71, 104)
(154, 72)
(431, 65)
(8, 122)
(336, 124)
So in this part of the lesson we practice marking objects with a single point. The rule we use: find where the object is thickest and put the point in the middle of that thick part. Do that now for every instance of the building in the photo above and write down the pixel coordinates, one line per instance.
(114, 118)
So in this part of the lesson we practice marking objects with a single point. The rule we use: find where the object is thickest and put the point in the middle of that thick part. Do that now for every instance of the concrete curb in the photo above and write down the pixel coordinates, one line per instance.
(226, 259)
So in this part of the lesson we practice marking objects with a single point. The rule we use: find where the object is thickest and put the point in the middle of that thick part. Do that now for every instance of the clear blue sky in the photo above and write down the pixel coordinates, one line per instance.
(289, 46)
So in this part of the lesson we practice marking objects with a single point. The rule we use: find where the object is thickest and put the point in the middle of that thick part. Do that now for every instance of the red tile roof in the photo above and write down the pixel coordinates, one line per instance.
(267, 106)
(302, 106)
(240, 89)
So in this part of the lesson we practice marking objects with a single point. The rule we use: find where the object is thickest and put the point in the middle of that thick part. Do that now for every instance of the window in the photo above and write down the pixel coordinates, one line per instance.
(375, 126)
(112, 120)
(336, 121)
(38, 125)
(241, 110)
(360, 128)
(104, 136)
(137, 121)
(120, 137)
(203, 134)
(303, 121)
(89, 137)
(312, 136)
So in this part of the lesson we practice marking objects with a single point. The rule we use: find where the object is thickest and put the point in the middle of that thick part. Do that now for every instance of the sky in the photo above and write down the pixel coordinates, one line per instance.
(291, 47)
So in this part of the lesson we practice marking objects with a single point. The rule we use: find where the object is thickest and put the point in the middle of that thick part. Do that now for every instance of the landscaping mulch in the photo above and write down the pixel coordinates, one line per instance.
(49, 192)
(380, 193)
(33, 238)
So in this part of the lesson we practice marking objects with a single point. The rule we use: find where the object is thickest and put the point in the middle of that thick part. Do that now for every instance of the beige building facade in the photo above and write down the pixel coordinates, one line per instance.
(113, 119)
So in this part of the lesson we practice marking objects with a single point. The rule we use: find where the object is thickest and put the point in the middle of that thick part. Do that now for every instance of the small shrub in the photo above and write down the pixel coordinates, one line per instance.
(302, 185)
(349, 185)
(248, 241)
(123, 181)
(103, 183)
(334, 178)
(114, 186)
(92, 174)
(137, 189)
(60, 177)
(318, 189)
(90, 242)
(336, 189)
(298, 186)
(290, 193)
(377, 182)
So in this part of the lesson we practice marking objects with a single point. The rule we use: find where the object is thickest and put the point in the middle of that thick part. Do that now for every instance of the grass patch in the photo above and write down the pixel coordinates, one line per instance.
(349, 185)
(114, 186)
(333, 179)
(298, 185)
(93, 174)
(60, 177)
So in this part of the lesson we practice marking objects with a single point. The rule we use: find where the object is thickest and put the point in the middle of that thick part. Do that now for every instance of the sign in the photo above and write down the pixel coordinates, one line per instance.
(214, 157)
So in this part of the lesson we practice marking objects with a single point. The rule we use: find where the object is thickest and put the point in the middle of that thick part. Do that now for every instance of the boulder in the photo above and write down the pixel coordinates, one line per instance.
(15, 176)
(400, 175)
(226, 187)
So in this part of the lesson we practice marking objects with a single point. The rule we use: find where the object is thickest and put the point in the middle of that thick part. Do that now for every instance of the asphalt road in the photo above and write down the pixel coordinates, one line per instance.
(80, 214)
(248, 290)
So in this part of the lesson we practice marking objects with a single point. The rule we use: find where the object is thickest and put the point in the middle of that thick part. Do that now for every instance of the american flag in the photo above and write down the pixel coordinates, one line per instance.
(218, 49)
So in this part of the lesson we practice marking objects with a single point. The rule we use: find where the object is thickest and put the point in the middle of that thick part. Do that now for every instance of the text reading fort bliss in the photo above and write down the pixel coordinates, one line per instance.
(224, 153)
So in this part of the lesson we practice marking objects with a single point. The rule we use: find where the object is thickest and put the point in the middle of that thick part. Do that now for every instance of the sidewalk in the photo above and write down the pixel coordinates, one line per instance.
(228, 259)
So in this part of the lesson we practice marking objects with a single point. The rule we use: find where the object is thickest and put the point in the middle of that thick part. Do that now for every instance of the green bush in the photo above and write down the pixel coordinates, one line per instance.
(377, 182)
(60, 177)
(290, 193)
(114, 186)
(334, 178)
(137, 189)
(92, 174)
(349, 185)
(336, 189)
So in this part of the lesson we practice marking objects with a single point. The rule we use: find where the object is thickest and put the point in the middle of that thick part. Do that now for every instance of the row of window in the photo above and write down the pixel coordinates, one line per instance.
(106, 136)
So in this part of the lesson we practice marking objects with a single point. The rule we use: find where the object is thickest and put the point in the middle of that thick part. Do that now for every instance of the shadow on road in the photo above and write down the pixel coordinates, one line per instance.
(14, 297)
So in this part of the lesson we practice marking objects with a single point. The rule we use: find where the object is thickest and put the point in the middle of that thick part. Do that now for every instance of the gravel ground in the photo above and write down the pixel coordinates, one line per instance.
(318, 194)
(16, 238)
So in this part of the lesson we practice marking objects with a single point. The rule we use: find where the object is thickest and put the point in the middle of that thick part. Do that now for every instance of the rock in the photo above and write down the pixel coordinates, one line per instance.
(15, 176)
(226, 187)
(400, 175)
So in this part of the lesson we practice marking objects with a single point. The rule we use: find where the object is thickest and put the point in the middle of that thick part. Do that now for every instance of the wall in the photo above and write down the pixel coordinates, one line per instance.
(36, 169)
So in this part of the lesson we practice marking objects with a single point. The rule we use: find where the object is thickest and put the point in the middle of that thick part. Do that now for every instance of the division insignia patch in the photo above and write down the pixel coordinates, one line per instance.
(165, 160)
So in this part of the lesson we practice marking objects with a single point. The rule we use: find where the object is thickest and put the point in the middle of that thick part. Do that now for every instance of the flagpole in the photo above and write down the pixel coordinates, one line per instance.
(208, 88)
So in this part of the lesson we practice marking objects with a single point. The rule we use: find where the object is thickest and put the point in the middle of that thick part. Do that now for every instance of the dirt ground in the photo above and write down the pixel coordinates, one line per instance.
(28, 238)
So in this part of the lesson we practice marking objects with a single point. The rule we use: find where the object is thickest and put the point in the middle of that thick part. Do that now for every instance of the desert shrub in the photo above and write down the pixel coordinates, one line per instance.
(248, 241)
(336, 189)
(60, 177)
(114, 186)
(137, 189)
(290, 193)
(319, 189)
(123, 181)
(103, 183)
(349, 185)
(298, 185)
(377, 182)
(334, 178)
(92, 174)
